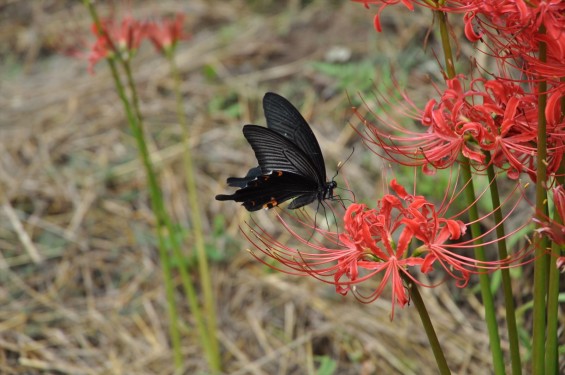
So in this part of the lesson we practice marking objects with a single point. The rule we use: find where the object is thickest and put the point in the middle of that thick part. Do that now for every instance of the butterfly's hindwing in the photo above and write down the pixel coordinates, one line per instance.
(272, 189)
(242, 181)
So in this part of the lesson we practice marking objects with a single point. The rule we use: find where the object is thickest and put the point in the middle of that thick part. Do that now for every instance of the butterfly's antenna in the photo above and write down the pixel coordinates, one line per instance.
(340, 164)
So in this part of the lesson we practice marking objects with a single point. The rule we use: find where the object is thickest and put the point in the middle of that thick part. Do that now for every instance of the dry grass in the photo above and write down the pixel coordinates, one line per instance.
(81, 289)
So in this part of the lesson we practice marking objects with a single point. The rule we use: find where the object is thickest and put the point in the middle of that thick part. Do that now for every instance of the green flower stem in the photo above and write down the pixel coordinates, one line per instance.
(552, 360)
(428, 327)
(204, 270)
(488, 300)
(447, 51)
(540, 243)
(486, 293)
(505, 272)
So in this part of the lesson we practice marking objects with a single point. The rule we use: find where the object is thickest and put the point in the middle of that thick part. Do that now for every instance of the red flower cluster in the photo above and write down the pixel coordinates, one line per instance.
(112, 38)
(495, 116)
(165, 34)
(492, 122)
(125, 37)
(515, 29)
(404, 231)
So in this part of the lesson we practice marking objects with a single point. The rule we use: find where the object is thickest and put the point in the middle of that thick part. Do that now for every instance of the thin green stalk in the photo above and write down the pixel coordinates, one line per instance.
(540, 243)
(488, 300)
(428, 327)
(505, 272)
(204, 270)
(551, 360)
(447, 51)
(166, 267)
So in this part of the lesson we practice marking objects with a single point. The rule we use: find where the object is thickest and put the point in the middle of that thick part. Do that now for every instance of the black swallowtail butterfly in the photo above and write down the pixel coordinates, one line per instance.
(291, 164)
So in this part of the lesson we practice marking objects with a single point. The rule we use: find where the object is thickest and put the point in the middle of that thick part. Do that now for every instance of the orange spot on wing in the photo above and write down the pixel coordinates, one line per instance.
(272, 203)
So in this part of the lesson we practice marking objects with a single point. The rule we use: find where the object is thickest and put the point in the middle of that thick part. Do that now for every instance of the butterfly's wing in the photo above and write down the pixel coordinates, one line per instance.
(291, 164)
(274, 188)
(284, 172)
(275, 152)
(243, 181)
(284, 118)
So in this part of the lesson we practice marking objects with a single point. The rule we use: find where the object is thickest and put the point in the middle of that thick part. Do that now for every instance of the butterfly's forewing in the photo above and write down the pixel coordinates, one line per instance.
(284, 118)
(275, 152)
(274, 188)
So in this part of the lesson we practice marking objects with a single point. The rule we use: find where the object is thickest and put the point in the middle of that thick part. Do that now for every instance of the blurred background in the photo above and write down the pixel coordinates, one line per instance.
(81, 288)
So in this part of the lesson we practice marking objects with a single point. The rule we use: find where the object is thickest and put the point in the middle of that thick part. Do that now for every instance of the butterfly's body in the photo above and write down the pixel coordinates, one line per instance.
(291, 164)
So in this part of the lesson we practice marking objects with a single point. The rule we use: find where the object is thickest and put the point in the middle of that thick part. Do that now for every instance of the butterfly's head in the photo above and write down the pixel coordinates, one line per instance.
(329, 189)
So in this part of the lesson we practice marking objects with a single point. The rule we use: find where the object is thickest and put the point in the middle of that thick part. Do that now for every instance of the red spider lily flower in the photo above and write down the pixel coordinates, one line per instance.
(165, 34)
(123, 38)
(494, 116)
(516, 28)
(508, 116)
(378, 244)
(555, 121)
